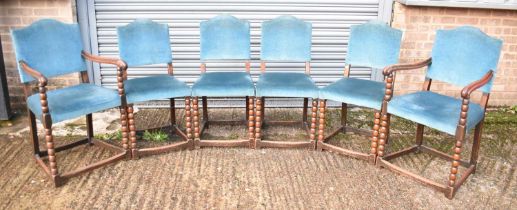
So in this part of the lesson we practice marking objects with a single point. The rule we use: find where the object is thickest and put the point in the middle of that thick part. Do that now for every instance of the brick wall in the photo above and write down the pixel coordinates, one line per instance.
(20, 13)
(420, 24)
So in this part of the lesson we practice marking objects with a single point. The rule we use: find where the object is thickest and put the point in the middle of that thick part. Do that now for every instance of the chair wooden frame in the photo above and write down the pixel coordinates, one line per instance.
(343, 128)
(40, 156)
(186, 136)
(200, 126)
(454, 182)
(309, 128)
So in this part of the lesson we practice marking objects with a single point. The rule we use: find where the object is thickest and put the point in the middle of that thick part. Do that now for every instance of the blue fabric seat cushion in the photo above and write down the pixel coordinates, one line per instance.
(434, 110)
(365, 93)
(154, 88)
(224, 84)
(286, 84)
(75, 101)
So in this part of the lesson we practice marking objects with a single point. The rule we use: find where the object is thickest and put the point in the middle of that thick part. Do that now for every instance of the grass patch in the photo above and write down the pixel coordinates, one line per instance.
(156, 136)
(109, 136)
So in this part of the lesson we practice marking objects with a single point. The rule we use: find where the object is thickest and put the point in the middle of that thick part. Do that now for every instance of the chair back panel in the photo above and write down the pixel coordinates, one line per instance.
(144, 42)
(225, 37)
(464, 55)
(49, 46)
(286, 38)
(373, 44)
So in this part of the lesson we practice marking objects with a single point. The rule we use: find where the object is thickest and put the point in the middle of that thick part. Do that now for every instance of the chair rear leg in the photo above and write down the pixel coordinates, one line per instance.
(34, 133)
(89, 128)
(305, 110)
(419, 134)
(132, 131)
(172, 108)
(251, 120)
(344, 113)
(195, 119)
(321, 123)
(205, 111)
(258, 121)
(475, 145)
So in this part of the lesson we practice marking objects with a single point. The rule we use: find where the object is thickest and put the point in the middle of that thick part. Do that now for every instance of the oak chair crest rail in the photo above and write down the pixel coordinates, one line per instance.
(375, 45)
(49, 48)
(223, 38)
(145, 42)
(286, 39)
(463, 56)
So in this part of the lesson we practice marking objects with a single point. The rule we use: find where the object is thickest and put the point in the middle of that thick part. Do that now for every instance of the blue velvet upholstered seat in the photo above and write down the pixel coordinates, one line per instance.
(145, 42)
(75, 101)
(360, 92)
(460, 56)
(286, 38)
(155, 87)
(224, 37)
(373, 44)
(280, 84)
(54, 48)
(221, 84)
(434, 110)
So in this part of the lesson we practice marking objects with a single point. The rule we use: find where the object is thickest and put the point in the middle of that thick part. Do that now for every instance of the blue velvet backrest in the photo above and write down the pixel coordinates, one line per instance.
(144, 42)
(286, 38)
(49, 46)
(373, 44)
(225, 37)
(464, 55)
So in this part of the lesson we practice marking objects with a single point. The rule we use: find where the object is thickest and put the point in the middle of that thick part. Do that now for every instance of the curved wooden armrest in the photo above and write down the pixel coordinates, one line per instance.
(42, 80)
(407, 66)
(467, 90)
(114, 61)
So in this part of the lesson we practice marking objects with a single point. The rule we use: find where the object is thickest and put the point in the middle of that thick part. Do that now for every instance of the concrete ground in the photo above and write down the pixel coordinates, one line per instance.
(230, 178)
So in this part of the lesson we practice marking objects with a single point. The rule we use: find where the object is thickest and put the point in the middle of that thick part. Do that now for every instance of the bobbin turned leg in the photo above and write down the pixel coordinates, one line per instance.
(251, 121)
(196, 122)
(124, 129)
(375, 135)
(383, 134)
(460, 136)
(132, 131)
(188, 121)
(258, 122)
(321, 123)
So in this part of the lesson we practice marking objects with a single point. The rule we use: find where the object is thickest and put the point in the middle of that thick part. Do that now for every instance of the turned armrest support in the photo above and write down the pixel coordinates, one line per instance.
(42, 89)
(121, 70)
(467, 90)
(407, 66)
(42, 80)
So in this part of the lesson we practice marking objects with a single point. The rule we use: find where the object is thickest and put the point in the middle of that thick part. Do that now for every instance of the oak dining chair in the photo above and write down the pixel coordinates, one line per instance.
(465, 57)
(142, 43)
(49, 48)
(375, 45)
(286, 39)
(224, 38)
